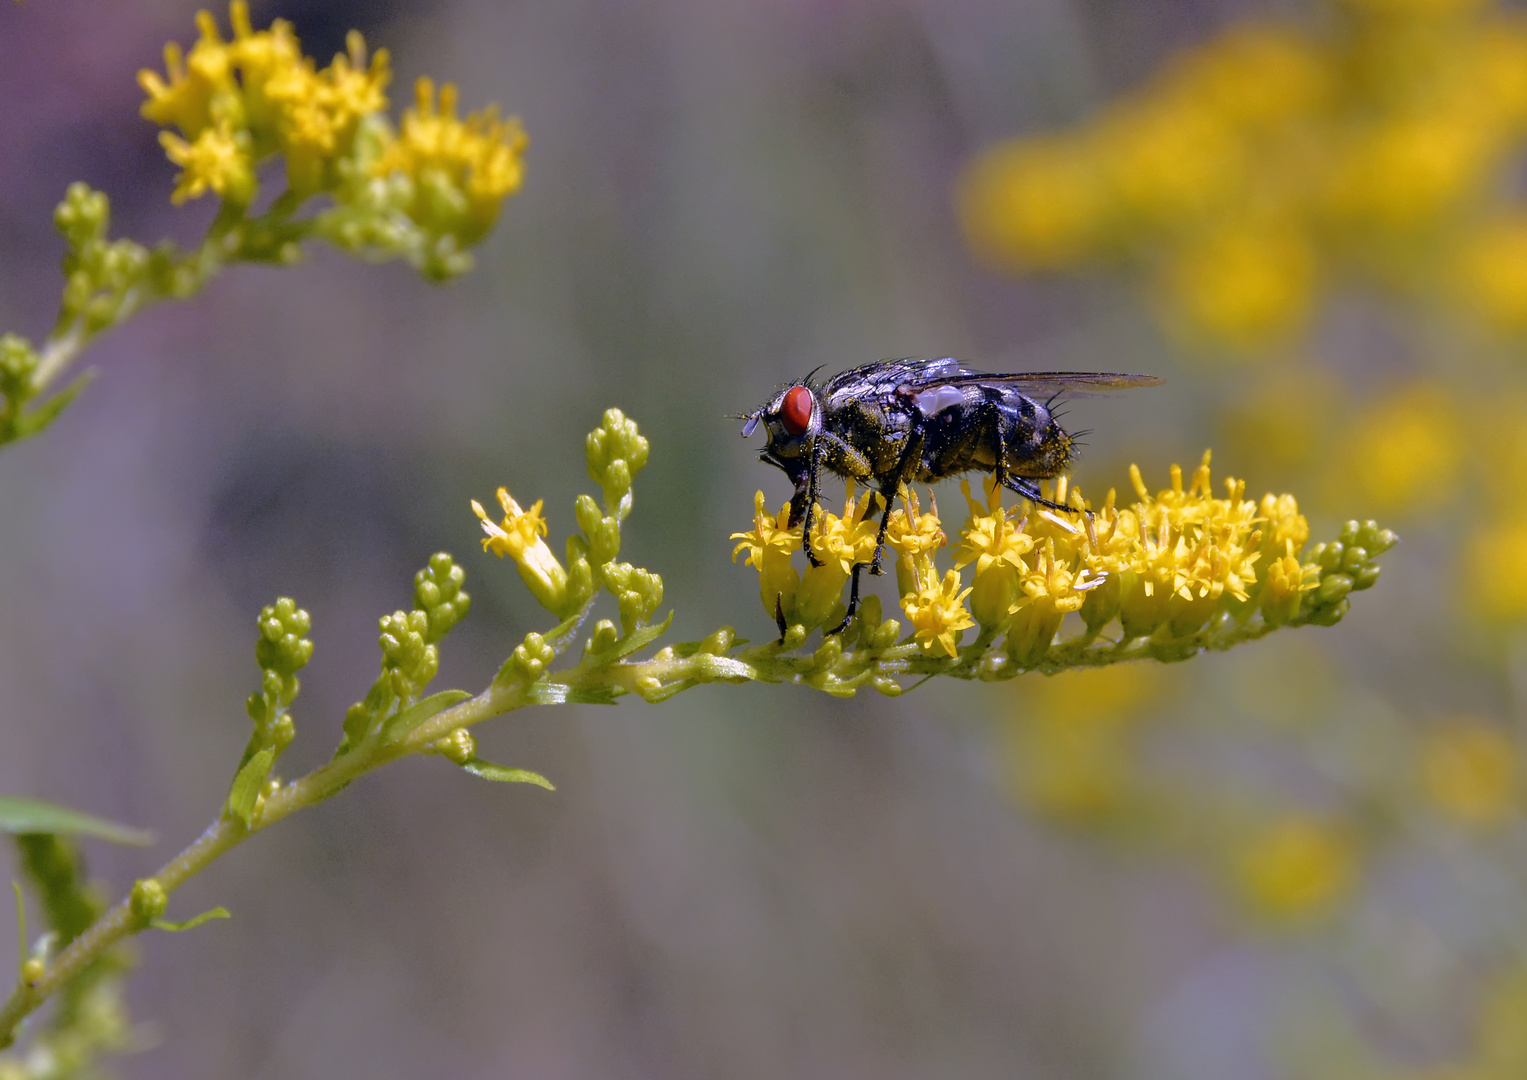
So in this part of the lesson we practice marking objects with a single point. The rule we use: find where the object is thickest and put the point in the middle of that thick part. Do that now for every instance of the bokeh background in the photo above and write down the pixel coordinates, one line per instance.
(1303, 858)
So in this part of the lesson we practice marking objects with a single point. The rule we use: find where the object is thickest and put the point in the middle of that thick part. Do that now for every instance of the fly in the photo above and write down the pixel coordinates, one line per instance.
(896, 422)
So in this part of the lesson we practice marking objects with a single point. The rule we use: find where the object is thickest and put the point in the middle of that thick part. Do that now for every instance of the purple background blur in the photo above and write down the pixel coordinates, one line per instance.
(745, 882)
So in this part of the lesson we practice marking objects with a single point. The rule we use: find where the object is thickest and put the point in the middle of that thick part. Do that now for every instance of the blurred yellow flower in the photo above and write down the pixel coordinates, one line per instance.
(215, 161)
(1034, 204)
(1494, 570)
(1492, 271)
(1269, 161)
(1402, 451)
(1069, 739)
(461, 169)
(1298, 866)
(1471, 770)
(1242, 284)
(260, 94)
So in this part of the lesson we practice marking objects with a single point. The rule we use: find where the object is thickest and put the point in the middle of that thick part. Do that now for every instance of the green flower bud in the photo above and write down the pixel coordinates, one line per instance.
(886, 685)
(438, 593)
(604, 637)
(828, 653)
(886, 635)
(148, 900)
(83, 215)
(869, 618)
(532, 657)
(459, 746)
(282, 646)
(18, 360)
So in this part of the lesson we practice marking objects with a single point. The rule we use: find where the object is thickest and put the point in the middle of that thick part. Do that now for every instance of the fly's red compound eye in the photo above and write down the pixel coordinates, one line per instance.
(795, 410)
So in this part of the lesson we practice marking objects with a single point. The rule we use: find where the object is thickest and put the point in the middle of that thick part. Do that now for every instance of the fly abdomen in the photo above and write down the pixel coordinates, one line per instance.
(1035, 445)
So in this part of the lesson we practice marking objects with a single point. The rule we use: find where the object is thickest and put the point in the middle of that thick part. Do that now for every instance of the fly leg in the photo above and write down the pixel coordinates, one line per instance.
(1030, 491)
(813, 478)
(888, 492)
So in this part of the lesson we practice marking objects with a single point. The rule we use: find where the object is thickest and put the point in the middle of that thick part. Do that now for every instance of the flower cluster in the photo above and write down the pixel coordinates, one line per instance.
(426, 191)
(1161, 569)
(1273, 158)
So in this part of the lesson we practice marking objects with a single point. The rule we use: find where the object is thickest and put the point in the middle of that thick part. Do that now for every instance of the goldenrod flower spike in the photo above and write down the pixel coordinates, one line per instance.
(1176, 572)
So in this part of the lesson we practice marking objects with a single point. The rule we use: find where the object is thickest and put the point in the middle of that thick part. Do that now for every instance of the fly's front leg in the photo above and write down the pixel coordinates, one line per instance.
(806, 490)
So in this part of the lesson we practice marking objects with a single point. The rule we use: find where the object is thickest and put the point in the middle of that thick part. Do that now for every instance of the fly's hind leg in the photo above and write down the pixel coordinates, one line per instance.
(1030, 491)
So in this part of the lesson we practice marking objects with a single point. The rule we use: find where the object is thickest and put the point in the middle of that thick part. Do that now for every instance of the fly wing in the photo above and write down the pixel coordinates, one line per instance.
(1055, 382)
(884, 376)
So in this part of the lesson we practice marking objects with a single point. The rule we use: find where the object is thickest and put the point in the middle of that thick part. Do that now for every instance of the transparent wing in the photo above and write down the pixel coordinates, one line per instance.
(1053, 382)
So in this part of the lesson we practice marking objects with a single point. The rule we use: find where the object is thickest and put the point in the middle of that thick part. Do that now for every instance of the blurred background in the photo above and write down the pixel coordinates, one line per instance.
(1303, 858)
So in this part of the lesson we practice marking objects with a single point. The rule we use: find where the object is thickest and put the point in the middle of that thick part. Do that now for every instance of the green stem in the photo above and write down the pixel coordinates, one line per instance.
(225, 834)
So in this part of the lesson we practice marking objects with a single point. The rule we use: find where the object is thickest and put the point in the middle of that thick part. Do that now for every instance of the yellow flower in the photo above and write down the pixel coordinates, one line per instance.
(997, 547)
(186, 101)
(937, 613)
(319, 111)
(1049, 591)
(461, 169)
(1286, 580)
(1296, 867)
(260, 92)
(1471, 770)
(520, 536)
(912, 535)
(216, 161)
(770, 547)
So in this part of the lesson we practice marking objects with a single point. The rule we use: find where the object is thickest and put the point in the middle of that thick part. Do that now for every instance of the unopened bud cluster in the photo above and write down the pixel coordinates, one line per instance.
(408, 641)
(616, 452)
(281, 650)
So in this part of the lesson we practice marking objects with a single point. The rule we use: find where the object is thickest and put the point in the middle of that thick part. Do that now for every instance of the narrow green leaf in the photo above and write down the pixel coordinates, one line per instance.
(21, 925)
(400, 725)
(636, 639)
(19, 815)
(192, 923)
(34, 420)
(558, 636)
(505, 775)
(246, 785)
